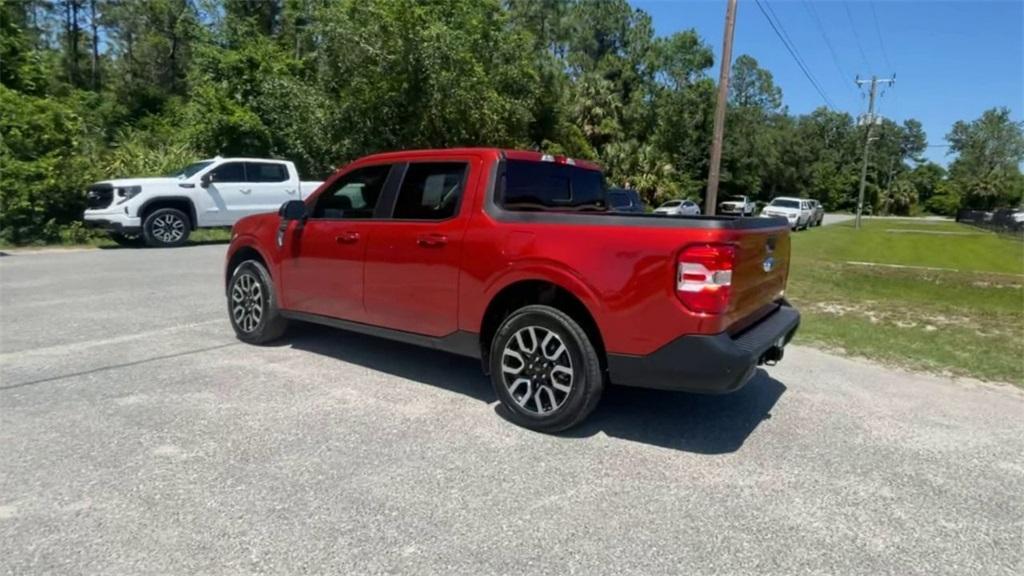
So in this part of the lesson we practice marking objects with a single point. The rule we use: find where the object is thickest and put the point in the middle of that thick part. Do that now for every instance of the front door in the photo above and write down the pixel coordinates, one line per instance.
(413, 259)
(322, 267)
(230, 194)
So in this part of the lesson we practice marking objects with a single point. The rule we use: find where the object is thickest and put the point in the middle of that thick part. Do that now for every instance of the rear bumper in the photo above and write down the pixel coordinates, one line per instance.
(709, 364)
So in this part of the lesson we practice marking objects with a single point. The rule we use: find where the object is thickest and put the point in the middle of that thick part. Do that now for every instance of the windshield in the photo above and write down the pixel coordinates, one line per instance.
(778, 203)
(190, 170)
(736, 199)
(671, 204)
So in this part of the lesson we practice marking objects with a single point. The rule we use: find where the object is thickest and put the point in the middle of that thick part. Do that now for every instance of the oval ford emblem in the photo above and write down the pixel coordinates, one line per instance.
(769, 264)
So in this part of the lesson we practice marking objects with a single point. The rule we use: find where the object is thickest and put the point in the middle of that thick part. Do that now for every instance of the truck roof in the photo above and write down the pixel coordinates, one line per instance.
(512, 154)
(243, 159)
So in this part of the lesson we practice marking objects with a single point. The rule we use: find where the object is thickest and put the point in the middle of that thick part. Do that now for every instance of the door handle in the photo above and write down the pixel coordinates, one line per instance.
(347, 238)
(432, 240)
(246, 191)
(290, 191)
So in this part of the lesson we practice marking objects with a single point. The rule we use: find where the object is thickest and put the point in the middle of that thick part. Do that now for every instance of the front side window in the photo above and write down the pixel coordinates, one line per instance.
(265, 172)
(190, 170)
(430, 191)
(230, 172)
(531, 185)
(354, 195)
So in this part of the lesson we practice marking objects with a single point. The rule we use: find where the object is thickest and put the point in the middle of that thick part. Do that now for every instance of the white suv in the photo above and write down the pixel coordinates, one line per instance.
(678, 208)
(797, 211)
(205, 194)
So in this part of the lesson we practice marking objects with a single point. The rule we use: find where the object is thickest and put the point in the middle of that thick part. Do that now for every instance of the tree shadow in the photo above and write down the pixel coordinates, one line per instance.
(689, 422)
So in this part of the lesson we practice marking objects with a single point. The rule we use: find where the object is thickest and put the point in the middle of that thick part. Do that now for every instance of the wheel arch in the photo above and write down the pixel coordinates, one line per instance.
(527, 291)
(183, 203)
(241, 254)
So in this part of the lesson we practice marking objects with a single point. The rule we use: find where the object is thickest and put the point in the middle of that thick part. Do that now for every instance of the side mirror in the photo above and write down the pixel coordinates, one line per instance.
(290, 210)
(293, 210)
(206, 180)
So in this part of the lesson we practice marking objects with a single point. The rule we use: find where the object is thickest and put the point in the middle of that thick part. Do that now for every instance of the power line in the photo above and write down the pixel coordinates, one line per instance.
(853, 28)
(881, 42)
(831, 50)
(793, 52)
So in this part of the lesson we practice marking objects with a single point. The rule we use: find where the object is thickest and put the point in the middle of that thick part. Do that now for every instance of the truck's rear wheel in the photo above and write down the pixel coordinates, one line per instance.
(166, 228)
(252, 305)
(545, 369)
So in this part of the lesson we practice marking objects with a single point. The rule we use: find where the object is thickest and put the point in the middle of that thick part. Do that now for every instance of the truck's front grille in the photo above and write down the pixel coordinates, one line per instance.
(99, 196)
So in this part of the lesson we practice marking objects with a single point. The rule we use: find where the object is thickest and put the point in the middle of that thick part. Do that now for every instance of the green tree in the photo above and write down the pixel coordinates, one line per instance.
(986, 171)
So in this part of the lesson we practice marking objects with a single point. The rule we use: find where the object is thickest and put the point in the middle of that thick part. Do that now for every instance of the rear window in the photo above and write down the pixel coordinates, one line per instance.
(785, 203)
(619, 199)
(546, 185)
(265, 172)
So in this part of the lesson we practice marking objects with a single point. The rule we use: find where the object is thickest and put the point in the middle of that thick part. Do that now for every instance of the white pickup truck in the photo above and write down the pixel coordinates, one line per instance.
(210, 193)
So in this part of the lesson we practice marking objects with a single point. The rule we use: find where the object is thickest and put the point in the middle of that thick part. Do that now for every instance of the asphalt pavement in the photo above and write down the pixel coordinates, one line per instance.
(137, 436)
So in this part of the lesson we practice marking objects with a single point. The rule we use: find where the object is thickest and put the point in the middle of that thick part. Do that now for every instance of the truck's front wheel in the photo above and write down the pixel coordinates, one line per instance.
(545, 369)
(252, 305)
(166, 228)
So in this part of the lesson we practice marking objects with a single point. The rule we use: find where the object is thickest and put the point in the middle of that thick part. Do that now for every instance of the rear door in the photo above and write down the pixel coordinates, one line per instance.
(322, 267)
(413, 258)
(270, 185)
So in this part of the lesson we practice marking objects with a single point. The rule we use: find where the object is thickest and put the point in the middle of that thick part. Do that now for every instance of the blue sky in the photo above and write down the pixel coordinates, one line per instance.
(952, 59)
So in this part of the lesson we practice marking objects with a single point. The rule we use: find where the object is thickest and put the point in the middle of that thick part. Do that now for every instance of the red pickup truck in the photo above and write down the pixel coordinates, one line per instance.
(514, 258)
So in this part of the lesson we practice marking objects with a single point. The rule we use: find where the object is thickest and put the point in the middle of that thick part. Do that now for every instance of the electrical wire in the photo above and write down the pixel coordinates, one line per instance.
(853, 28)
(793, 52)
(845, 78)
(881, 42)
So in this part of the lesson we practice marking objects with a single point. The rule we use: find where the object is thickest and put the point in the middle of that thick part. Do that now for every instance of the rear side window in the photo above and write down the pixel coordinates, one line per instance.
(546, 185)
(354, 195)
(229, 172)
(430, 191)
(619, 200)
(265, 172)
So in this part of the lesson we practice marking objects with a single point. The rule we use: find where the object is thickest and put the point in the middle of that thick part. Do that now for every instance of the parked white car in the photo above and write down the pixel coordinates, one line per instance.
(678, 208)
(737, 206)
(206, 194)
(797, 211)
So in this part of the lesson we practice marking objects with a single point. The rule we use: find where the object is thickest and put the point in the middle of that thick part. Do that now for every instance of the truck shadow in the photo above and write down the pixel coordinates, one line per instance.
(688, 422)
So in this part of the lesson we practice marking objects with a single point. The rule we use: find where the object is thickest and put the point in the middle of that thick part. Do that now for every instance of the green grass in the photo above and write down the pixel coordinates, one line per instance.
(966, 317)
(101, 240)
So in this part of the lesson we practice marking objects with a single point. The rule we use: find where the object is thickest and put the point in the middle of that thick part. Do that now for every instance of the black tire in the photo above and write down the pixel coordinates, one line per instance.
(126, 240)
(586, 382)
(260, 320)
(166, 228)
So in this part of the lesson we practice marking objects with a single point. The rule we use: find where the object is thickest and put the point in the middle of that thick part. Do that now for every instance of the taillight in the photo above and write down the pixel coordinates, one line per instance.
(704, 277)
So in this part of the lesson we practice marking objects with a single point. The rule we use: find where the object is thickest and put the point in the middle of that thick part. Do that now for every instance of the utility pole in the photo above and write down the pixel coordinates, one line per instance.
(867, 140)
(711, 198)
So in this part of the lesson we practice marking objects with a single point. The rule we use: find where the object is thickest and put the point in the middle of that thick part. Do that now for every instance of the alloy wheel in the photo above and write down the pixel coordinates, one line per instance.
(168, 228)
(247, 302)
(537, 370)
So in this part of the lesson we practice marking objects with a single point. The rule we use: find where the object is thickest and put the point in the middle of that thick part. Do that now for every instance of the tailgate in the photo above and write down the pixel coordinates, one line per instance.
(759, 275)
